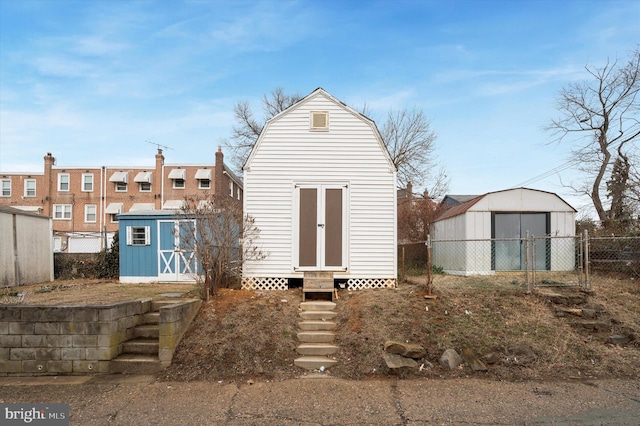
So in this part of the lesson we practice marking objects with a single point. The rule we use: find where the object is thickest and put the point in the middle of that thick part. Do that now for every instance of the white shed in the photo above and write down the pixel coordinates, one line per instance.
(26, 249)
(486, 234)
(321, 187)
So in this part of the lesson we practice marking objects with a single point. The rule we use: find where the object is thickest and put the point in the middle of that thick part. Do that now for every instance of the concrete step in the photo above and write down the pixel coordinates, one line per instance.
(317, 349)
(318, 315)
(313, 283)
(319, 305)
(316, 336)
(147, 331)
(141, 346)
(156, 304)
(318, 274)
(135, 364)
(311, 362)
(316, 325)
(152, 318)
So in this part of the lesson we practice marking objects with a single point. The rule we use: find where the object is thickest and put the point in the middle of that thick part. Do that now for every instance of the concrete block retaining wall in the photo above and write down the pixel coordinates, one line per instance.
(43, 340)
(174, 322)
(57, 340)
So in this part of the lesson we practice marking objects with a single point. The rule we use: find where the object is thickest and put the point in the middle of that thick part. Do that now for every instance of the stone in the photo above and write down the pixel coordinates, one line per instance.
(522, 350)
(471, 358)
(409, 350)
(522, 354)
(492, 358)
(398, 361)
(617, 339)
(450, 359)
(562, 311)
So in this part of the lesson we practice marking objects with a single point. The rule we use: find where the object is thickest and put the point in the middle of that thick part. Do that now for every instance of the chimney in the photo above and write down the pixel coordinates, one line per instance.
(409, 190)
(49, 162)
(159, 160)
(159, 179)
(219, 174)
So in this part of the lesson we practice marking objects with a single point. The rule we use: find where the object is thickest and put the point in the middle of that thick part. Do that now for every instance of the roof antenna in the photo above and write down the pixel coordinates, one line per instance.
(158, 145)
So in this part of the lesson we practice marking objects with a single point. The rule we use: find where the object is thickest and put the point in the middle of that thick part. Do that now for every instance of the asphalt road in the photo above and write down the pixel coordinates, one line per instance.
(140, 400)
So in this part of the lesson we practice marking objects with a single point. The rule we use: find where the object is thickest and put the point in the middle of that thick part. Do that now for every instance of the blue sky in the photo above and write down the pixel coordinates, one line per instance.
(91, 81)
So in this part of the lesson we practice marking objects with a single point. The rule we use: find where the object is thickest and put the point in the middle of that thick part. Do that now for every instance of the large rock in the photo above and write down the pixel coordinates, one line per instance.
(450, 359)
(470, 357)
(409, 350)
(398, 361)
(617, 339)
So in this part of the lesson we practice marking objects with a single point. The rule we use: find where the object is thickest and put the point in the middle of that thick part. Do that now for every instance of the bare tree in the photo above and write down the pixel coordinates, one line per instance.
(407, 134)
(410, 141)
(601, 118)
(416, 213)
(221, 239)
(247, 129)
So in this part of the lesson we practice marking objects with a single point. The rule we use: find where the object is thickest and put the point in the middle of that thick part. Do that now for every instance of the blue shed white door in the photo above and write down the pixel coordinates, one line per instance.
(176, 256)
(321, 239)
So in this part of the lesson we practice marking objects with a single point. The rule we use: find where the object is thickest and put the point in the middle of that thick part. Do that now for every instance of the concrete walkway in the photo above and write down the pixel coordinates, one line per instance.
(140, 400)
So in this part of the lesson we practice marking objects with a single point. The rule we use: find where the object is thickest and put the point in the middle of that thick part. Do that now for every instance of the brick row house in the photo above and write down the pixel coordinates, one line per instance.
(84, 202)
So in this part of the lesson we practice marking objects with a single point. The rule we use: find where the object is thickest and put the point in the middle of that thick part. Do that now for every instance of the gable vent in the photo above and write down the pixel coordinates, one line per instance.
(319, 120)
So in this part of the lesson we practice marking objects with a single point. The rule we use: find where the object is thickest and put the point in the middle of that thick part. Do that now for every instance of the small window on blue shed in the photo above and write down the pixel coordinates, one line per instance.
(138, 235)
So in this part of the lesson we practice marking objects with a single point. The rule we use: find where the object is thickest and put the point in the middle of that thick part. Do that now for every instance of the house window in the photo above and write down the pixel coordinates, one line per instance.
(178, 176)
(30, 188)
(230, 188)
(238, 193)
(114, 218)
(204, 178)
(87, 182)
(138, 235)
(90, 213)
(63, 181)
(6, 187)
(120, 180)
(144, 181)
(62, 211)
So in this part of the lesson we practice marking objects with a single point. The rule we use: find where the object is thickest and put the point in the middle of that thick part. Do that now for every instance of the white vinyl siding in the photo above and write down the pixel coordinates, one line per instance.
(290, 153)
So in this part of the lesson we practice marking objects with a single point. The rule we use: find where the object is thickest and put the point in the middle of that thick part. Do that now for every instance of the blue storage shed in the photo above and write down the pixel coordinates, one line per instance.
(152, 250)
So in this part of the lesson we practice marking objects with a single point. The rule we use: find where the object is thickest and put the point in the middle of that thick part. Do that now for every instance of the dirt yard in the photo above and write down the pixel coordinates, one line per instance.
(247, 335)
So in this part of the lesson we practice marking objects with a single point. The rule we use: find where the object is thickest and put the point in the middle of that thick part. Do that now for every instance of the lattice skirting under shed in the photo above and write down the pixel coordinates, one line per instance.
(264, 283)
(365, 283)
(269, 283)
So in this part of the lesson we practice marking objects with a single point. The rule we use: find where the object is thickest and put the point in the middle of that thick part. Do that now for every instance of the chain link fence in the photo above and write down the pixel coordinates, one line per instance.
(534, 261)
(614, 258)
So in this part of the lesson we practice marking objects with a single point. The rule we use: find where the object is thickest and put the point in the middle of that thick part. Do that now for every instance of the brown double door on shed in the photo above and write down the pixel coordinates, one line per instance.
(321, 227)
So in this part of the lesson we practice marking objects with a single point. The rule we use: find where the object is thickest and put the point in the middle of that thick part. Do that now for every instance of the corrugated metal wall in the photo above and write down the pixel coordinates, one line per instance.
(26, 251)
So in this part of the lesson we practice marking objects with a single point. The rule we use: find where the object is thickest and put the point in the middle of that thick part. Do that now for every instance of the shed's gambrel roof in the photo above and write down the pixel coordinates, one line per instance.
(317, 92)
(464, 207)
